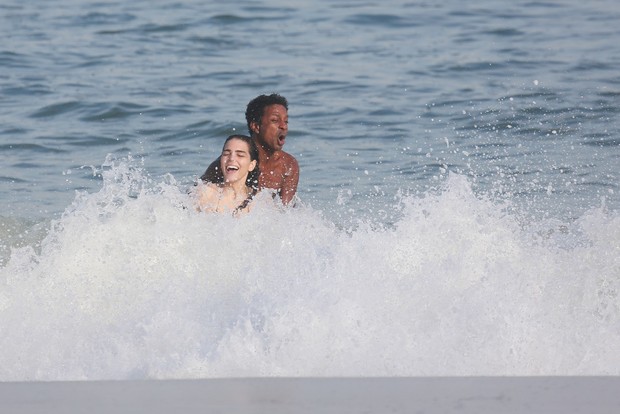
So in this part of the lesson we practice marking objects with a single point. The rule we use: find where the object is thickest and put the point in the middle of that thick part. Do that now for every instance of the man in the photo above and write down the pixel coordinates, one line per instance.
(267, 119)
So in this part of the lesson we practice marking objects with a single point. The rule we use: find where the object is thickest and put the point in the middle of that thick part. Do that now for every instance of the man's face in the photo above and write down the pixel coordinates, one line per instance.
(271, 133)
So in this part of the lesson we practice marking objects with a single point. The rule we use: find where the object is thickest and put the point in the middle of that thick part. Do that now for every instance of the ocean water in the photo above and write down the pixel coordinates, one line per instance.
(458, 200)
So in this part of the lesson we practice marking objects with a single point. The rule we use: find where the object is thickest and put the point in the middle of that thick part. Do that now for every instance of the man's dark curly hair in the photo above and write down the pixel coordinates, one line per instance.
(256, 107)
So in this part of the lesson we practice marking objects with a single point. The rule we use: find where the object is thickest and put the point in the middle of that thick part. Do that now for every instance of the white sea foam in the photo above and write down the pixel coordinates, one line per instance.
(131, 282)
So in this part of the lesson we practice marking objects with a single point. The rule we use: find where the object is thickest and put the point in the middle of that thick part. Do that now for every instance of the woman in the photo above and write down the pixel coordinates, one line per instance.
(239, 166)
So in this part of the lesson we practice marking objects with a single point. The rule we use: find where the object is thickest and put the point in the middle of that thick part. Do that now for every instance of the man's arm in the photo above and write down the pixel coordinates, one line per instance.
(213, 174)
(291, 179)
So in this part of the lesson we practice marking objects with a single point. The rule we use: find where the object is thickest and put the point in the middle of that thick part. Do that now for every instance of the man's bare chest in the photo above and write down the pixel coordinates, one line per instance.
(271, 179)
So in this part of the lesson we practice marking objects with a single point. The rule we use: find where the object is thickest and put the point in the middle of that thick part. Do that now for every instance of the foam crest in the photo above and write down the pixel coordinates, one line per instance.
(132, 282)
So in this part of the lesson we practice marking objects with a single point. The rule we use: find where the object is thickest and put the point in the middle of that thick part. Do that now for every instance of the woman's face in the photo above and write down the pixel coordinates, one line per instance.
(235, 162)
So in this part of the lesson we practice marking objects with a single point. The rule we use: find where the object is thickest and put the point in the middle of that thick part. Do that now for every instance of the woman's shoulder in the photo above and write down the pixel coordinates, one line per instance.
(207, 195)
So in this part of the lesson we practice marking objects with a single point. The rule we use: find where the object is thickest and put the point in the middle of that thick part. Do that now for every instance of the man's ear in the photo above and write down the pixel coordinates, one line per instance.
(252, 165)
(254, 127)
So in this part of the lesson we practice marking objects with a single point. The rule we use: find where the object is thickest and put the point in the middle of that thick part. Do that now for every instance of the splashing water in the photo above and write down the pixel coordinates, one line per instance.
(131, 282)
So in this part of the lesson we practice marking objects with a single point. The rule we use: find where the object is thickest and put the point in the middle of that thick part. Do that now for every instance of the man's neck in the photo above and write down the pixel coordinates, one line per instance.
(264, 154)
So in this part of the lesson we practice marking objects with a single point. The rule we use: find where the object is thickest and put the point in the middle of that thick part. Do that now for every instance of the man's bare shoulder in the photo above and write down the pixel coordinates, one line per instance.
(287, 165)
(288, 160)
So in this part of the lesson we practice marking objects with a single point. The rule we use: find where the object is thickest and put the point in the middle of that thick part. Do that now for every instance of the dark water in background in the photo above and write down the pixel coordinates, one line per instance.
(523, 97)
(459, 163)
